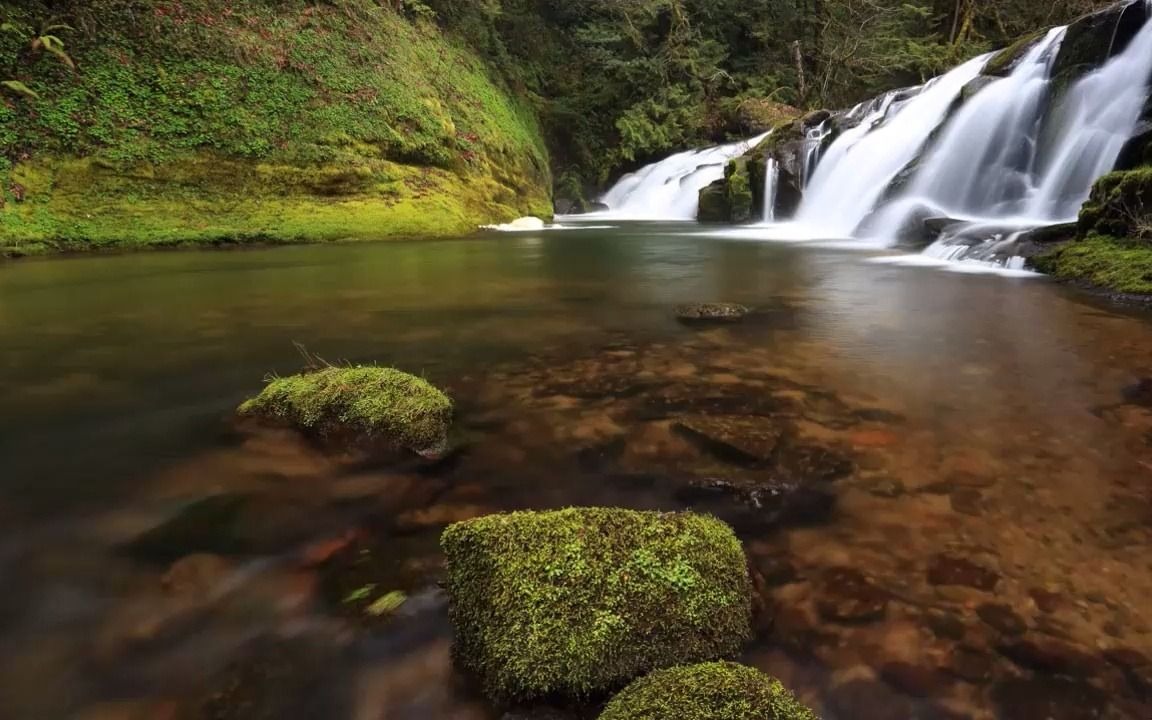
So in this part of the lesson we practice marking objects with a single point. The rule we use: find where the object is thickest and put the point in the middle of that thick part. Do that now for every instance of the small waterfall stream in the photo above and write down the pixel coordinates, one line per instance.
(670, 189)
(771, 182)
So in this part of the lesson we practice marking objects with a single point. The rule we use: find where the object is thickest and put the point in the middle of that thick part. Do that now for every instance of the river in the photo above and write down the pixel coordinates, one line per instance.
(986, 554)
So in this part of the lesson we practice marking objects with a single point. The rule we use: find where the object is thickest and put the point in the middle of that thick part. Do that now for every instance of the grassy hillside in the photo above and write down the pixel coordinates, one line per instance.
(219, 121)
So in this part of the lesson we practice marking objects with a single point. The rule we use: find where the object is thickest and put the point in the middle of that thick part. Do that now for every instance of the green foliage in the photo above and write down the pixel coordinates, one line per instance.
(578, 601)
(709, 691)
(369, 402)
(1104, 262)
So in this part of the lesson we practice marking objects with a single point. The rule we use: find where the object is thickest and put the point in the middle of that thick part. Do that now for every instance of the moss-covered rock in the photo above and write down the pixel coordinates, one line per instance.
(740, 196)
(1119, 204)
(709, 691)
(714, 207)
(580, 601)
(1004, 62)
(360, 405)
(1103, 262)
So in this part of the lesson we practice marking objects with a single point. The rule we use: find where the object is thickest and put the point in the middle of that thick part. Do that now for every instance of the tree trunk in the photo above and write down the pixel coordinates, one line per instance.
(801, 81)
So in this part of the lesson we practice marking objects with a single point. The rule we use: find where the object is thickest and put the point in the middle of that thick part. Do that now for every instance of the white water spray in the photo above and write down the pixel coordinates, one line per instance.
(670, 189)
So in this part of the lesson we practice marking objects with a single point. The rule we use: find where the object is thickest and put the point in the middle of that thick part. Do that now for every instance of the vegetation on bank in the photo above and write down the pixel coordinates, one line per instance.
(365, 403)
(709, 691)
(1113, 251)
(580, 601)
(211, 120)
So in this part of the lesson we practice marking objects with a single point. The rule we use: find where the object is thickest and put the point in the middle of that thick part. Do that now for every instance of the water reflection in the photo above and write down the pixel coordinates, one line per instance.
(985, 418)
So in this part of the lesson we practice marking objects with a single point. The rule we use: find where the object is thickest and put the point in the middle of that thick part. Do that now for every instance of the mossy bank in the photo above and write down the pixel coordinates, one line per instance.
(207, 121)
(1113, 250)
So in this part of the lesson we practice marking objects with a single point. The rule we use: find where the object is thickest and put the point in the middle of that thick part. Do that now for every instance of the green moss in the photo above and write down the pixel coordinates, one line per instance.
(580, 601)
(714, 206)
(322, 122)
(1102, 261)
(709, 691)
(84, 204)
(740, 200)
(365, 402)
(1119, 204)
(1003, 62)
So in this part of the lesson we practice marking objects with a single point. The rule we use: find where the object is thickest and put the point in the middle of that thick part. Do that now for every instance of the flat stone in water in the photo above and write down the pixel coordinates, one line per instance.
(1049, 655)
(733, 439)
(971, 665)
(703, 313)
(914, 680)
(1002, 618)
(953, 570)
(967, 501)
(847, 596)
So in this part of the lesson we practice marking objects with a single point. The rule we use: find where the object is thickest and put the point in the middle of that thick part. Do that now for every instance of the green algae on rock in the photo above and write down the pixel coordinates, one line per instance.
(363, 403)
(709, 691)
(580, 601)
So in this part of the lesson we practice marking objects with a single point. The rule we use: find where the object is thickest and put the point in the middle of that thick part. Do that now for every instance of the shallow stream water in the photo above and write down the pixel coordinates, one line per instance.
(944, 481)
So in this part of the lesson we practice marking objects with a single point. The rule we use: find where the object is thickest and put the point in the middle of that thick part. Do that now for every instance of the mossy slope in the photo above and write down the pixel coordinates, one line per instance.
(580, 601)
(217, 121)
(709, 691)
(372, 403)
(1114, 250)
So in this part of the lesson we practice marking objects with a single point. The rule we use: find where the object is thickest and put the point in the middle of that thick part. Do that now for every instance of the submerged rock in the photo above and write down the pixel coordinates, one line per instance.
(1049, 698)
(711, 313)
(359, 407)
(952, 570)
(577, 601)
(709, 691)
(847, 596)
(276, 679)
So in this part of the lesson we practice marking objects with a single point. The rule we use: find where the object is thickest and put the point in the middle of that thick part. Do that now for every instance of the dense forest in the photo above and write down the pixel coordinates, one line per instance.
(615, 82)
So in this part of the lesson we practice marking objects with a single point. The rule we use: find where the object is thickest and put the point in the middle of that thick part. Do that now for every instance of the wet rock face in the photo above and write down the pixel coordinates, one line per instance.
(953, 570)
(701, 313)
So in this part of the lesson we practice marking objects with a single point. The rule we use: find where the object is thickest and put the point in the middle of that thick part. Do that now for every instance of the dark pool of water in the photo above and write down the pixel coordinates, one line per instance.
(985, 555)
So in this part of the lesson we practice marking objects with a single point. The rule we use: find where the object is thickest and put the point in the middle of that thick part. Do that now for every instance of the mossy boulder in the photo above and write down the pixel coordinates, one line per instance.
(576, 602)
(359, 406)
(709, 691)
(714, 207)
(1120, 202)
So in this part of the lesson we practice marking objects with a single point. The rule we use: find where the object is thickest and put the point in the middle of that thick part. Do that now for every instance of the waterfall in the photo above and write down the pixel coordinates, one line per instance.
(1014, 156)
(859, 165)
(771, 182)
(670, 189)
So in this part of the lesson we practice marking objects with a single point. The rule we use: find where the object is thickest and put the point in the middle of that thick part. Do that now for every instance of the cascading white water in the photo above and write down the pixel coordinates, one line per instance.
(771, 182)
(985, 156)
(994, 165)
(670, 189)
(860, 164)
